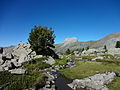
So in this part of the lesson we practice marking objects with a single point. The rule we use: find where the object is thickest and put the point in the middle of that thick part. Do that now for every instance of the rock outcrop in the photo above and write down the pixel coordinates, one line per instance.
(14, 57)
(50, 60)
(114, 51)
(96, 82)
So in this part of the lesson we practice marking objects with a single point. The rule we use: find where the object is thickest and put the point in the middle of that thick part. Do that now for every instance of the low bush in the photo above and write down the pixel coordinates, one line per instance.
(39, 64)
(20, 82)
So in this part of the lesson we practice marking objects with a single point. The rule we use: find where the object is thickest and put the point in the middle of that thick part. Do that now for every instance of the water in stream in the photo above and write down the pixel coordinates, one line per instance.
(61, 82)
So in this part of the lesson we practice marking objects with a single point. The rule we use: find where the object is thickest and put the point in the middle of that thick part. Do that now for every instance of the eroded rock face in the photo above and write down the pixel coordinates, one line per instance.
(96, 82)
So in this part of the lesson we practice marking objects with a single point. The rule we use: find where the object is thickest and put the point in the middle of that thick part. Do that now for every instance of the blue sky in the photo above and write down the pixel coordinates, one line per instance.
(83, 19)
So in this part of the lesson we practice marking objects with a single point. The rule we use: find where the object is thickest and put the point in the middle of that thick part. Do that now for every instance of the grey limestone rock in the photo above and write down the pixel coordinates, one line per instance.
(96, 82)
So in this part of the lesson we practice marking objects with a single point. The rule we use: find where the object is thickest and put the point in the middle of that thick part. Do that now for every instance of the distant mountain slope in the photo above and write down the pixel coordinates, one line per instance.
(110, 41)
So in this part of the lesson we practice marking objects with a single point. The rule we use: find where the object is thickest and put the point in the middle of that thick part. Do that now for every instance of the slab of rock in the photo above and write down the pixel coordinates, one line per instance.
(50, 60)
(99, 57)
(23, 53)
(22, 58)
(38, 56)
(22, 48)
(8, 56)
(18, 71)
(96, 82)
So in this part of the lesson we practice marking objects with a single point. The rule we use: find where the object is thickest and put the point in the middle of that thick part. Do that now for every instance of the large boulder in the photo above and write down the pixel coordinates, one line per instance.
(114, 51)
(50, 60)
(7, 65)
(23, 53)
(15, 56)
(89, 51)
(96, 82)
(22, 48)
(92, 52)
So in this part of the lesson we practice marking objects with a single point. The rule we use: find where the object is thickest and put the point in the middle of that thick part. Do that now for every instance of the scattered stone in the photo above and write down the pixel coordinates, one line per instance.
(99, 57)
(18, 71)
(38, 56)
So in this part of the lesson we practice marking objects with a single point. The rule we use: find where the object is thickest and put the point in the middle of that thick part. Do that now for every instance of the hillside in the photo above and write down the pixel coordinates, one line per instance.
(109, 41)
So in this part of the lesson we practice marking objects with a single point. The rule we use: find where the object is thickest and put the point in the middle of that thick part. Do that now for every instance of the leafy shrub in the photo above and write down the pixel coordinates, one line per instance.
(117, 44)
(39, 64)
(19, 82)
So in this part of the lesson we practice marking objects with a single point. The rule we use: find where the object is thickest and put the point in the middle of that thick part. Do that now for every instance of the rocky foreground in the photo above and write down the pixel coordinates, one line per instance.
(11, 58)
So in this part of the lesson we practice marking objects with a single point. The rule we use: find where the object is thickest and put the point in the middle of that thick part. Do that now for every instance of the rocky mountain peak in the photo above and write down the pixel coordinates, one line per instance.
(70, 40)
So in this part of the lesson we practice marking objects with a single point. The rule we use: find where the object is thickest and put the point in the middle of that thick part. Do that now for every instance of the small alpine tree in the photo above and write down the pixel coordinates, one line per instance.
(68, 51)
(105, 48)
(117, 44)
(87, 48)
(41, 40)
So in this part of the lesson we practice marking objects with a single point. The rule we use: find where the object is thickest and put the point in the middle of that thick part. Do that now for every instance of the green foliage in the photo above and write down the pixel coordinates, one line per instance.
(41, 40)
(117, 44)
(114, 85)
(68, 51)
(87, 48)
(115, 61)
(82, 49)
(61, 61)
(20, 82)
(105, 48)
(39, 64)
(85, 69)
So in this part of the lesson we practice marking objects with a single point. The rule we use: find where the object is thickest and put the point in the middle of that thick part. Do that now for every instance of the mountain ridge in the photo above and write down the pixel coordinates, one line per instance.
(109, 40)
